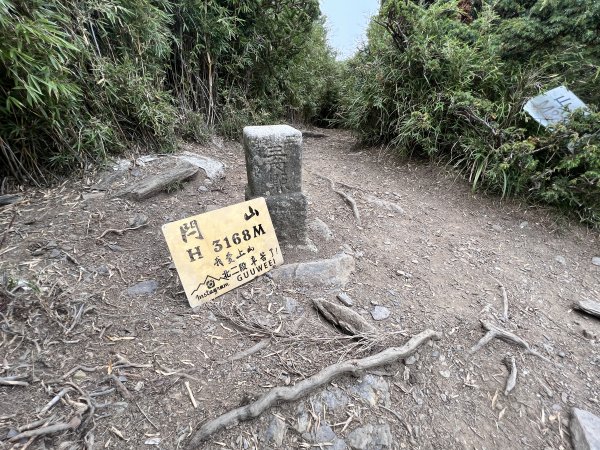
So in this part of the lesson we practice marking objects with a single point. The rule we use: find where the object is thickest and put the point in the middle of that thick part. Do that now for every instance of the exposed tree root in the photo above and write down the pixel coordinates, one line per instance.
(511, 381)
(348, 199)
(50, 429)
(495, 332)
(291, 393)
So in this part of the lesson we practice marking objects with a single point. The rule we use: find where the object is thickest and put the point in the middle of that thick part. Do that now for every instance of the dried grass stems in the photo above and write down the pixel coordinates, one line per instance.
(308, 331)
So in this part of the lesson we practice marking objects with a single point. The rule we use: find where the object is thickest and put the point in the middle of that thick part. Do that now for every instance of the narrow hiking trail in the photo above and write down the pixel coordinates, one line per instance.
(96, 314)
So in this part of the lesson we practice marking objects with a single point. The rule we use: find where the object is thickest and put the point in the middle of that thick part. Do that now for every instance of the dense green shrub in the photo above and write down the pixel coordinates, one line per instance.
(80, 80)
(450, 82)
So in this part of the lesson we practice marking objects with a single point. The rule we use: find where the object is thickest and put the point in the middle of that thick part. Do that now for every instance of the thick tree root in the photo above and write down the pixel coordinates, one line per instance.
(495, 332)
(291, 393)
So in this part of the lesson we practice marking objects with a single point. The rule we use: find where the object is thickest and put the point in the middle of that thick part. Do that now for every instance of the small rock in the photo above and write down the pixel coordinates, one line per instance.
(202, 189)
(154, 184)
(345, 299)
(147, 287)
(138, 220)
(596, 260)
(588, 334)
(291, 305)
(411, 360)
(275, 432)
(523, 224)
(403, 274)
(561, 260)
(152, 441)
(445, 373)
(321, 228)
(371, 437)
(561, 354)
(102, 270)
(585, 430)
(497, 228)
(373, 389)
(55, 254)
(380, 313)
(115, 248)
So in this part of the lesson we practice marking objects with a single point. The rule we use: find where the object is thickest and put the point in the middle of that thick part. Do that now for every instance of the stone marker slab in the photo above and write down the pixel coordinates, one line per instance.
(334, 272)
(273, 159)
(585, 430)
(154, 184)
(220, 250)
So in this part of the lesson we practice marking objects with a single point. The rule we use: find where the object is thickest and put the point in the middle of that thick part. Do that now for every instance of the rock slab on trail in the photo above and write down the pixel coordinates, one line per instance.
(214, 169)
(334, 272)
(585, 430)
(154, 184)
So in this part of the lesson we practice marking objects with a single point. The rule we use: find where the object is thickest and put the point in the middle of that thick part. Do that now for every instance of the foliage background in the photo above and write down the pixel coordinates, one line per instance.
(82, 79)
(448, 80)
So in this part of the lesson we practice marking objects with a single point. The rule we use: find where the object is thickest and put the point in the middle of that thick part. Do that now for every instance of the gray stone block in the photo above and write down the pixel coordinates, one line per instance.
(288, 213)
(273, 159)
(585, 430)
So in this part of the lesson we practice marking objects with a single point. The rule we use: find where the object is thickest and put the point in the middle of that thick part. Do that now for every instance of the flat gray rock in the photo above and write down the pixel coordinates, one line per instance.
(154, 184)
(384, 204)
(370, 437)
(275, 432)
(596, 260)
(585, 430)
(325, 435)
(345, 299)
(321, 229)
(147, 287)
(214, 169)
(380, 313)
(334, 272)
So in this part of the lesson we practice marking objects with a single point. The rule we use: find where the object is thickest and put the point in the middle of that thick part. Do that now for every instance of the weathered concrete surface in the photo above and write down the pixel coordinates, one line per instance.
(585, 430)
(273, 159)
(334, 272)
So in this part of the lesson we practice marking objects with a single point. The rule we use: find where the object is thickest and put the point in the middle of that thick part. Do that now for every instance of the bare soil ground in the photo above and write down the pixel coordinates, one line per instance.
(440, 264)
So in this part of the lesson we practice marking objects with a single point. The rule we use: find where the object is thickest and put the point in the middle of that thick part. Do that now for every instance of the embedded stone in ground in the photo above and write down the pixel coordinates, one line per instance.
(334, 272)
(370, 437)
(160, 182)
(147, 287)
(585, 430)
(275, 432)
(320, 228)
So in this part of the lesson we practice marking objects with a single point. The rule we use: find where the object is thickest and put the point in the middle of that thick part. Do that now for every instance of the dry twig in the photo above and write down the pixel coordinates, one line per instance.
(120, 232)
(291, 393)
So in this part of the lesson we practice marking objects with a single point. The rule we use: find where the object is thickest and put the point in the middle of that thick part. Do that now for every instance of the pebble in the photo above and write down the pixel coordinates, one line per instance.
(596, 260)
(411, 360)
(138, 220)
(380, 313)
(147, 287)
(202, 189)
(561, 260)
(345, 299)
(445, 373)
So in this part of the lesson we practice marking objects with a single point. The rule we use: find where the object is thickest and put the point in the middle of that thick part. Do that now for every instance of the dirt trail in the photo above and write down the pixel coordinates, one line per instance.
(432, 253)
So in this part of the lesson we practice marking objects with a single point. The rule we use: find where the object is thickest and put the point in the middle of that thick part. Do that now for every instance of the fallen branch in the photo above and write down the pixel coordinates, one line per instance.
(55, 400)
(343, 317)
(511, 381)
(291, 393)
(120, 232)
(589, 307)
(121, 387)
(495, 332)
(56, 428)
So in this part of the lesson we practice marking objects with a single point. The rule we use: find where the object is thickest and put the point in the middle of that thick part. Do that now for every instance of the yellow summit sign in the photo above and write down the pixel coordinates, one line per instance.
(220, 250)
